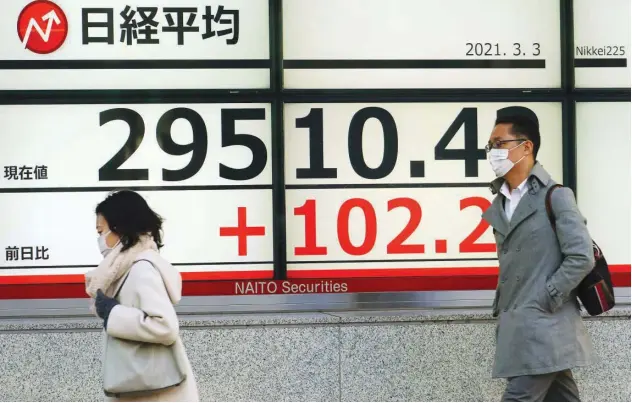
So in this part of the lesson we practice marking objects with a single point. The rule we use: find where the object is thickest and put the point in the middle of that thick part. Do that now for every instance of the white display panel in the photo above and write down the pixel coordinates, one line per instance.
(192, 239)
(602, 43)
(421, 44)
(412, 194)
(603, 175)
(84, 145)
(202, 167)
(93, 44)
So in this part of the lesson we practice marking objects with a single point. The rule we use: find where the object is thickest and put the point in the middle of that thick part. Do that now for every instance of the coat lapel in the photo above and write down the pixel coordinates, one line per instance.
(496, 217)
(524, 210)
(529, 204)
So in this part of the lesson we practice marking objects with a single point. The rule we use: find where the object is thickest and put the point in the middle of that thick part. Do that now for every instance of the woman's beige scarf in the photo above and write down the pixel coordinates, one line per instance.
(114, 266)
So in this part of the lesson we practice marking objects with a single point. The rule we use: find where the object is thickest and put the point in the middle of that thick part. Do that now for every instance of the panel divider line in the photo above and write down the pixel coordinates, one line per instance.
(569, 166)
(278, 141)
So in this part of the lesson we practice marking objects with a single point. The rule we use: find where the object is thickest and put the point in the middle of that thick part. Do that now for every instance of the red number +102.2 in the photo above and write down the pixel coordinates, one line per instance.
(395, 246)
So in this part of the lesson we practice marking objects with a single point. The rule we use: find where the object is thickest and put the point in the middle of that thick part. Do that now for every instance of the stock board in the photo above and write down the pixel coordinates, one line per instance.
(371, 188)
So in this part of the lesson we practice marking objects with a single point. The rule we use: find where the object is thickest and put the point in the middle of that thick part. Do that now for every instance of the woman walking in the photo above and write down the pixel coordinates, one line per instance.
(134, 290)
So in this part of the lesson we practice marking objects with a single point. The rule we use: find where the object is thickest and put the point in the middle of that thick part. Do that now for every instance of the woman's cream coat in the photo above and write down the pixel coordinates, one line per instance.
(146, 313)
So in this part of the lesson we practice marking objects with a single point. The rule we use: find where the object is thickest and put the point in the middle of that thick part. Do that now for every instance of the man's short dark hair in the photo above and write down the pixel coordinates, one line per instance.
(524, 122)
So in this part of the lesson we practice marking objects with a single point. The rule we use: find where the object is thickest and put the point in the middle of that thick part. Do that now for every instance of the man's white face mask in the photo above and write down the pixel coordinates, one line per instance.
(499, 160)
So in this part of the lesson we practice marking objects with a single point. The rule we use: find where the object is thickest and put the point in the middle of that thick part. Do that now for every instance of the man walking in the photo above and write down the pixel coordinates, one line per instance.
(540, 335)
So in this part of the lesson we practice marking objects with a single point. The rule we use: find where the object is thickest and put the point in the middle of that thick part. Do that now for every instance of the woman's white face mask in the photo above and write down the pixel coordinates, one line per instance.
(500, 162)
(103, 246)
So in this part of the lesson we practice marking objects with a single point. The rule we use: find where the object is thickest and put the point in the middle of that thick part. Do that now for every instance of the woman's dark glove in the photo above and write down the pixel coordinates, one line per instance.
(104, 305)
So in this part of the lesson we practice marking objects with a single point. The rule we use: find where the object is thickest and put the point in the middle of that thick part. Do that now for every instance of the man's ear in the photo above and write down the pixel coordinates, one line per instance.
(529, 147)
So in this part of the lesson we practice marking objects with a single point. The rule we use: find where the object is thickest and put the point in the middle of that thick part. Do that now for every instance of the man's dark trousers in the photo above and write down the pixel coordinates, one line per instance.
(555, 387)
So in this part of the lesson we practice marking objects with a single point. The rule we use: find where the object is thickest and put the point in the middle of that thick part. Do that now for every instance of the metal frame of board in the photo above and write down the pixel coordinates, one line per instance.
(277, 96)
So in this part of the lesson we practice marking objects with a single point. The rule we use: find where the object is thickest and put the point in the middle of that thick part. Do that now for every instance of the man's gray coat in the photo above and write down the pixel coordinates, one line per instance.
(539, 328)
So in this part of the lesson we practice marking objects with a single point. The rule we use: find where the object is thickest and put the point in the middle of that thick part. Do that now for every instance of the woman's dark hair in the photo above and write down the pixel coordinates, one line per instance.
(129, 216)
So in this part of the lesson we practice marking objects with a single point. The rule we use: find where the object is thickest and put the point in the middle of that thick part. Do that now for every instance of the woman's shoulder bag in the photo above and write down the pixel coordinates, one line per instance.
(133, 368)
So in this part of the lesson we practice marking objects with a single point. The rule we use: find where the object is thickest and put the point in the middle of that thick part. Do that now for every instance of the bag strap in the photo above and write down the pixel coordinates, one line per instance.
(126, 276)
(122, 284)
(129, 272)
(549, 208)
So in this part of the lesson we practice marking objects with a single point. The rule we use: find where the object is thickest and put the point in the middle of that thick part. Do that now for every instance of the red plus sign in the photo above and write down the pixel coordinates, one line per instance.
(242, 231)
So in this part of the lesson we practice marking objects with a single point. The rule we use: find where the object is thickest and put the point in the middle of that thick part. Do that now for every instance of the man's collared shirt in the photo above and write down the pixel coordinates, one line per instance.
(513, 197)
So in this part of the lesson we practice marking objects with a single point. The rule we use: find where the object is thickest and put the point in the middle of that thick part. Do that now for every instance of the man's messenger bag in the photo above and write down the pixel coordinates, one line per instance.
(595, 291)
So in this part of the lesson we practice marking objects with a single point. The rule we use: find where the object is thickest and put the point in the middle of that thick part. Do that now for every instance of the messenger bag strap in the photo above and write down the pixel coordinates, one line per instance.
(549, 208)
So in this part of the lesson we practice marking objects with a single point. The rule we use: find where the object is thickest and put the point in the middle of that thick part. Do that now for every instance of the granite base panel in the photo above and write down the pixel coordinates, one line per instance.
(317, 357)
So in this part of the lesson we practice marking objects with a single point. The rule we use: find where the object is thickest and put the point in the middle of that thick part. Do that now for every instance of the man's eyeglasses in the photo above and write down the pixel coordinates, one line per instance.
(499, 143)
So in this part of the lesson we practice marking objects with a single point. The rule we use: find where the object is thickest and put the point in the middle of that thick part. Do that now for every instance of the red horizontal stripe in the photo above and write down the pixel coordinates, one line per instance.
(361, 280)
(430, 272)
(42, 279)
(186, 276)
(228, 275)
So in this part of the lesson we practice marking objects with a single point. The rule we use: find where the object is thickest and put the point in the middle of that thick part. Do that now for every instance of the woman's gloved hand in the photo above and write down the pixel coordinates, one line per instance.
(104, 305)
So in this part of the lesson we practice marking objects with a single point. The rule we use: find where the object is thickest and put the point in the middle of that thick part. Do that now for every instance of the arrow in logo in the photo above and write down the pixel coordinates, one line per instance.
(51, 17)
